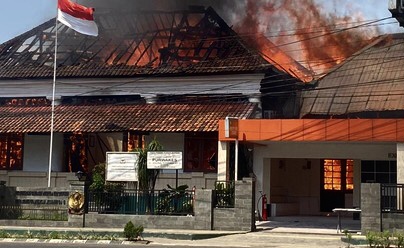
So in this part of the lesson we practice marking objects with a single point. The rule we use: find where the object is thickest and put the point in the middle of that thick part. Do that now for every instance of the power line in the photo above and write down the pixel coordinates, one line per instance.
(137, 80)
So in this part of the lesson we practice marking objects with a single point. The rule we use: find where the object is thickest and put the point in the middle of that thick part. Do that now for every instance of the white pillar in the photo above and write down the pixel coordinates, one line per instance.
(400, 162)
(236, 161)
(222, 161)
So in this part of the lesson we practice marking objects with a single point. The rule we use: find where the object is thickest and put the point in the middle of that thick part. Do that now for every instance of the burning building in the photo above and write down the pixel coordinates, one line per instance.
(167, 73)
(172, 72)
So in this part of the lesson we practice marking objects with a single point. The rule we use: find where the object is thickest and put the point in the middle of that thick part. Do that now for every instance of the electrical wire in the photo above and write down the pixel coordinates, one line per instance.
(95, 90)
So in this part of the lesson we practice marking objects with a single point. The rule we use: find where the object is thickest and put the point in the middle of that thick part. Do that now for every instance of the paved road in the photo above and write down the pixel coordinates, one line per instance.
(267, 239)
(255, 239)
(282, 232)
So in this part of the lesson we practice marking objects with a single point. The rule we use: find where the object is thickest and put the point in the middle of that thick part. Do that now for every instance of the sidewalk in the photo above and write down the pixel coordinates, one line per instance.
(282, 231)
(310, 225)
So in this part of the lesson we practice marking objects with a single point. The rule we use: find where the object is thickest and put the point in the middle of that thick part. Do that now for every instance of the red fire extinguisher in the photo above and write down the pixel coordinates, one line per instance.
(264, 208)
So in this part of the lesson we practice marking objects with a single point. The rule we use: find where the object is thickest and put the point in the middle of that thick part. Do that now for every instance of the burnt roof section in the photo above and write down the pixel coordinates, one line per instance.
(372, 80)
(194, 41)
(117, 118)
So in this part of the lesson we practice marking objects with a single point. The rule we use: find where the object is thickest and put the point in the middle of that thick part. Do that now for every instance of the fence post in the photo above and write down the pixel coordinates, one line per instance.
(371, 207)
(245, 204)
(203, 209)
(76, 217)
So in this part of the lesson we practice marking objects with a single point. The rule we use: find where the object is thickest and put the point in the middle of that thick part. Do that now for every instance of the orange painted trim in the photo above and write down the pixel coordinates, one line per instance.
(380, 130)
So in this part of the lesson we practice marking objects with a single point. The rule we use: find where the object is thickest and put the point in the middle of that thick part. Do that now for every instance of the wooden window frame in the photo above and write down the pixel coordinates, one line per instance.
(344, 184)
(9, 149)
(200, 152)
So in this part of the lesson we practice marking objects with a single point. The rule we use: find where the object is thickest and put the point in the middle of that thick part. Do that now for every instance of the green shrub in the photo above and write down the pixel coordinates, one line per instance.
(348, 235)
(399, 242)
(175, 201)
(4, 234)
(371, 238)
(385, 239)
(132, 232)
(53, 235)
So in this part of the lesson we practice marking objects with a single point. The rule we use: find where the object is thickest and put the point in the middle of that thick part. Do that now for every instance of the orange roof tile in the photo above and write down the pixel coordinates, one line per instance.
(116, 118)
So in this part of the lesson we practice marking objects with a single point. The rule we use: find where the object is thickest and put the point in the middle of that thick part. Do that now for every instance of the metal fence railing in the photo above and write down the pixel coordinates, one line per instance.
(392, 196)
(18, 212)
(223, 195)
(158, 202)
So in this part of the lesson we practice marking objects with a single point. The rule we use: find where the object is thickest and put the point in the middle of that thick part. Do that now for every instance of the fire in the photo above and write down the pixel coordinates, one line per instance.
(324, 41)
(157, 42)
(301, 29)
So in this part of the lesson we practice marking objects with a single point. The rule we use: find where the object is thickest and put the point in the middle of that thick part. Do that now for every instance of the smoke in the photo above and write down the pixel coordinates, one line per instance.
(318, 35)
(167, 5)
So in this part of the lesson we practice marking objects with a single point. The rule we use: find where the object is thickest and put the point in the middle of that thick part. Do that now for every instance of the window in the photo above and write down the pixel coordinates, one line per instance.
(200, 152)
(349, 174)
(36, 101)
(76, 152)
(338, 174)
(11, 146)
(378, 171)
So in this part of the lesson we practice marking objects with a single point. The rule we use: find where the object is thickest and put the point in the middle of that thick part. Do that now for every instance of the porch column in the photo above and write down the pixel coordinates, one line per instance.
(357, 183)
(400, 174)
(222, 168)
(400, 162)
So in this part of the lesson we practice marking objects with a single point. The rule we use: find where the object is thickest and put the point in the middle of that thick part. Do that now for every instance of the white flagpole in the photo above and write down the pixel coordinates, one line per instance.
(53, 106)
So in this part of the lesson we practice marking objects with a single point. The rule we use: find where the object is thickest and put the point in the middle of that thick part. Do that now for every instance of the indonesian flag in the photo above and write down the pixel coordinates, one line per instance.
(77, 17)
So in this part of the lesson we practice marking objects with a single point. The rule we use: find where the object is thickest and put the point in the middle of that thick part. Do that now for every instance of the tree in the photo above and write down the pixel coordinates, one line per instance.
(147, 178)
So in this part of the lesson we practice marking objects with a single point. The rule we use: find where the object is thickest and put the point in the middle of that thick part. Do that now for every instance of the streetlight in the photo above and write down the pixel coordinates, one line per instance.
(83, 178)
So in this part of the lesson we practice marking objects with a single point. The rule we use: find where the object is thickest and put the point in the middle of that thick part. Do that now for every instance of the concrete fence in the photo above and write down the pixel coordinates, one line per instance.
(206, 217)
(372, 216)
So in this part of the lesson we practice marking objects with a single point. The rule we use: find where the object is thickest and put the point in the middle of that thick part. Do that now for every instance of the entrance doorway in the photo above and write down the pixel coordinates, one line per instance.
(336, 183)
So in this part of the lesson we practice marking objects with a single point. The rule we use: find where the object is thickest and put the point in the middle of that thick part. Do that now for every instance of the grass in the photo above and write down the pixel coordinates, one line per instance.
(59, 235)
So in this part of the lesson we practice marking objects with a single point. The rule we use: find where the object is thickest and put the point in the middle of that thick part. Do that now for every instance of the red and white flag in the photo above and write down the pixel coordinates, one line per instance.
(77, 17)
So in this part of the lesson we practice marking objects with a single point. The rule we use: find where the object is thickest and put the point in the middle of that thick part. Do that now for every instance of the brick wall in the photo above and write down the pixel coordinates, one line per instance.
(33, 206)
(241, 217)
(202, 219)
(370, 207)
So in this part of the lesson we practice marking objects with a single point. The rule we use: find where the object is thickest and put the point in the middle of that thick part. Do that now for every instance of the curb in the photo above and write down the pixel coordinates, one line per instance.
(113, 236)
(65, 241)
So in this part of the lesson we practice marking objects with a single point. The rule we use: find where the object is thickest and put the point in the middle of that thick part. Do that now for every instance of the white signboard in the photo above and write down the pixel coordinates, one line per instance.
(164, 160)
(122, 166)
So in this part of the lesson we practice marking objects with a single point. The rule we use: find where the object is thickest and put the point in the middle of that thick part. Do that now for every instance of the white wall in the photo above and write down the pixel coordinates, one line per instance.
(169, 141)
(36, 153)
(296, 181)
(98, 146)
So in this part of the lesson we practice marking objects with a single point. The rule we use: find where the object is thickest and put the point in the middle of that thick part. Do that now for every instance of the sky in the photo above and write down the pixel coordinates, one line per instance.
(19, 16)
